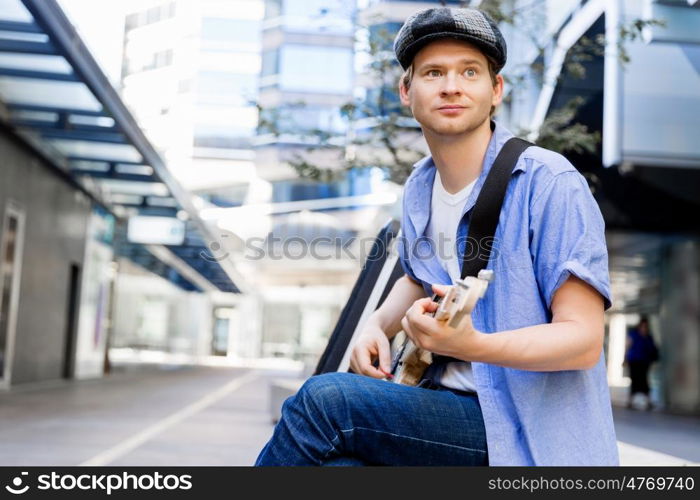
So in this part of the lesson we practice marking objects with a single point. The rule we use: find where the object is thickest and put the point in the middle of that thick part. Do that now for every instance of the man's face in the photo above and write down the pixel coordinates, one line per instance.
(451, 92)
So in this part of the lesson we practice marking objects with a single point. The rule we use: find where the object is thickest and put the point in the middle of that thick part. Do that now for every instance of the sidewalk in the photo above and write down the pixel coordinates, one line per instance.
(195, 415)
(151, 416)
(654, 438)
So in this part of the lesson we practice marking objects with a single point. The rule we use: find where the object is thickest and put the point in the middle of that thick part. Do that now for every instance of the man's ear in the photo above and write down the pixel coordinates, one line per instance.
(403, 94)
(498, 91)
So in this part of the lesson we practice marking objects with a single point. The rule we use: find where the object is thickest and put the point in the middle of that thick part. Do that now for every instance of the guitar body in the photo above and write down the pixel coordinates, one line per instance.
(409, 361)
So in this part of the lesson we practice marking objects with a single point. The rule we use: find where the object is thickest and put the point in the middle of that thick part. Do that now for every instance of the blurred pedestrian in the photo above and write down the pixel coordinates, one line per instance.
(641, 353)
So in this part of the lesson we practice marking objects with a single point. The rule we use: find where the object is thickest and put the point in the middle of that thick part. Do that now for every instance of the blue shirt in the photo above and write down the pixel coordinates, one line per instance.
(550, 228)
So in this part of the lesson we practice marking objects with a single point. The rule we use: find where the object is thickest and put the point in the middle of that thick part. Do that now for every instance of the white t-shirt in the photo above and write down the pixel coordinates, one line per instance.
(445, 214)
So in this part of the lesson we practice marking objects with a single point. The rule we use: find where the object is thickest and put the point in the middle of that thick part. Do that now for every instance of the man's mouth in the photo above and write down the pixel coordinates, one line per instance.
(451, 109)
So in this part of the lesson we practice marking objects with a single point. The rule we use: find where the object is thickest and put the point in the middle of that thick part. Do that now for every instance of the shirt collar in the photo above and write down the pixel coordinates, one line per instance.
(425, 176)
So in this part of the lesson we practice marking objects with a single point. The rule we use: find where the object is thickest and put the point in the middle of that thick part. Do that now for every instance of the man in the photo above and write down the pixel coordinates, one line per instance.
(530, 385)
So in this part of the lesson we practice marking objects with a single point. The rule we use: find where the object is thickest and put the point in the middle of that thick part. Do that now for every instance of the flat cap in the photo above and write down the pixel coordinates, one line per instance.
(470, 25)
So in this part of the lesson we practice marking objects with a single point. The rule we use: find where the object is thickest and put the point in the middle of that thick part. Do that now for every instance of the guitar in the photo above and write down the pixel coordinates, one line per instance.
(409, 361)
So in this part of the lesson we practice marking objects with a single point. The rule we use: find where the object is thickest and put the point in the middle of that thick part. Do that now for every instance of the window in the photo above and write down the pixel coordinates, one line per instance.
(217, 86)
(156, 60)
(162, 58)
(10, 259)
(150, 16)
(230, 30)
(270, 62)
(316, 69)
(356, 182)
(319, 16)
(224, 126)
(281, 326)
(184, 86)
(273, 8)
(294, 120)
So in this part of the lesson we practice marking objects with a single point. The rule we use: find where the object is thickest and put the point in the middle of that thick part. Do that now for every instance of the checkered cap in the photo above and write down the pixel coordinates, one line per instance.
(470, 25)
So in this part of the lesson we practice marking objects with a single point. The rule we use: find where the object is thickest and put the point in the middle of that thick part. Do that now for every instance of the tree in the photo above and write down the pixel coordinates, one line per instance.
(382, 132)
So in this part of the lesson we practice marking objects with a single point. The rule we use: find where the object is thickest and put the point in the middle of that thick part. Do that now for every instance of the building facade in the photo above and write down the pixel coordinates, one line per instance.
(190, 75)
(77, 171)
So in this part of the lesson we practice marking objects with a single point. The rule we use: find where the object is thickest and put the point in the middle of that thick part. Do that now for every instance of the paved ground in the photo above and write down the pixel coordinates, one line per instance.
(185, 420)
(149, 415)
(652, 438)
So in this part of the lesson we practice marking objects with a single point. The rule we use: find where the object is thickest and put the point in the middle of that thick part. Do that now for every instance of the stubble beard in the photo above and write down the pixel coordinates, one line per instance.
(454, 128)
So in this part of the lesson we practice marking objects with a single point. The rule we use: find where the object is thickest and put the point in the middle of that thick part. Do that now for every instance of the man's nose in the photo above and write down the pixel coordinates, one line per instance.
(451, 85)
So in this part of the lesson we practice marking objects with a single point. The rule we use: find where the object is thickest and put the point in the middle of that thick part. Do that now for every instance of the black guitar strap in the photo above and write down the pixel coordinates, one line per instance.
(486, 211)
(482, 225)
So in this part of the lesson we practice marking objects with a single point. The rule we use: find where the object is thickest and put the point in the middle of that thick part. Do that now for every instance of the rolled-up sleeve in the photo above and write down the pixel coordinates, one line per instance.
(567, 237)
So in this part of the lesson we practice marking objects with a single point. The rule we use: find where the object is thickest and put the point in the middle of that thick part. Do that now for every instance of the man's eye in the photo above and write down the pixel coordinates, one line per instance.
(470, 73)
(434, 72)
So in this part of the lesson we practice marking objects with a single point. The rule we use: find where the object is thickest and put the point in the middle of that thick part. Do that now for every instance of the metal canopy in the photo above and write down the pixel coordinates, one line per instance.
(54, 95)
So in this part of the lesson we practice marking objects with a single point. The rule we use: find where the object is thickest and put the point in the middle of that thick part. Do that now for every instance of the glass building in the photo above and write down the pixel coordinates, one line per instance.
(190, 74)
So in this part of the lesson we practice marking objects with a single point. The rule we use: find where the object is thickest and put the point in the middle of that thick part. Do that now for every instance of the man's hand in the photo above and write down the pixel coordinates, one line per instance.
(383, 324)
(572, 341)
(436, 336)
(371, 344)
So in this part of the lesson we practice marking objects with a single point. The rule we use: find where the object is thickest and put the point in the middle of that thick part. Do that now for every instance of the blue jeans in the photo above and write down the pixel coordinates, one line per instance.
(348, 419)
